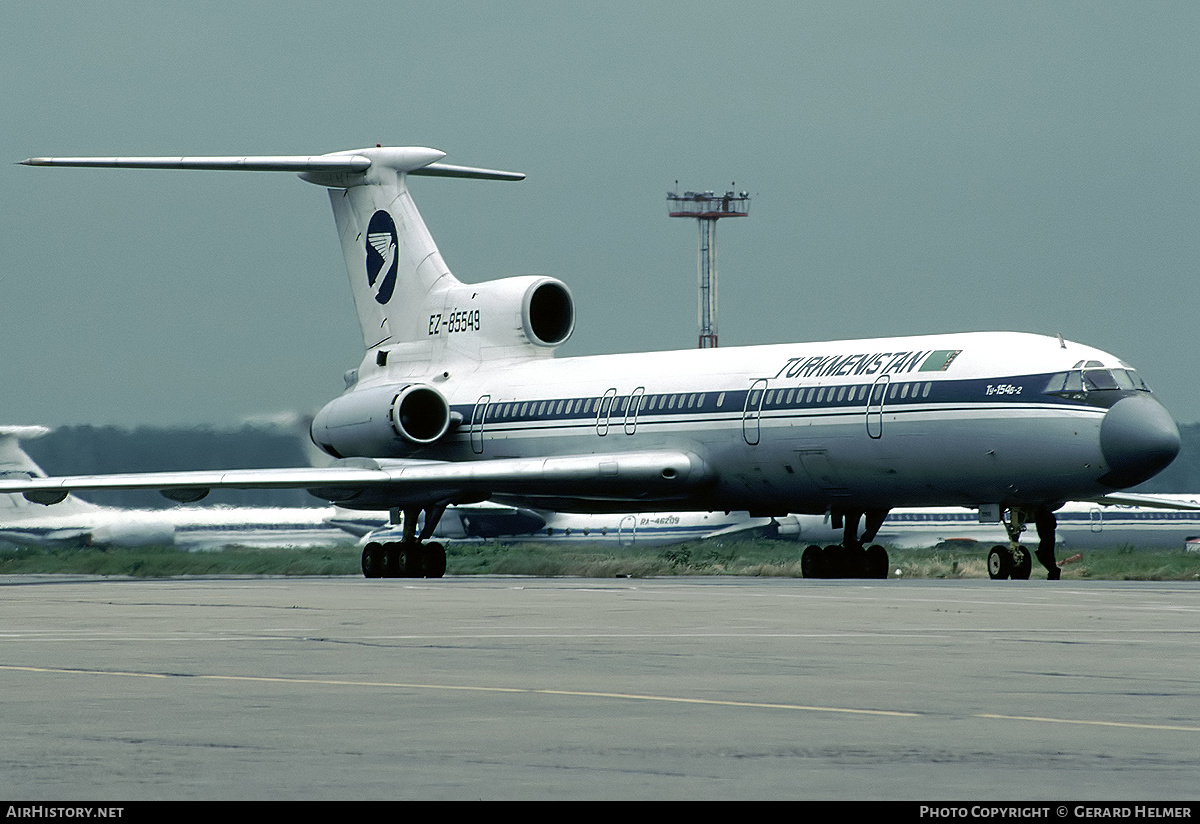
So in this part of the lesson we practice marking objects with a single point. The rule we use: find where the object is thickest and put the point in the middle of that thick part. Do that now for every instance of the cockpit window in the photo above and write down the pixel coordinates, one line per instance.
(1123, 380)
(1138, 383)
(1094, 379)
(1090, 379)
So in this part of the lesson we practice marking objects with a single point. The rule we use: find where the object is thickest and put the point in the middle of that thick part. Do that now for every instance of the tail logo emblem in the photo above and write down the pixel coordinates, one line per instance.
(381, 255)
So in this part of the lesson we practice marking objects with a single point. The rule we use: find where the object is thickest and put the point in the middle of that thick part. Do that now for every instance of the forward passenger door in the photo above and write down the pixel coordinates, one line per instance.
(752, 411)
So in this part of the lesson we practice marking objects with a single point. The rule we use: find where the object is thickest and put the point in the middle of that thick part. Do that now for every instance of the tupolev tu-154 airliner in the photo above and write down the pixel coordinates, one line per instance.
(459, 399)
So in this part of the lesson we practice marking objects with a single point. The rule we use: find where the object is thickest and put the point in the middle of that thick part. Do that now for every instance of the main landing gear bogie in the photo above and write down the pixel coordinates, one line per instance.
(838, 561)
(404, 559)
(850, 559)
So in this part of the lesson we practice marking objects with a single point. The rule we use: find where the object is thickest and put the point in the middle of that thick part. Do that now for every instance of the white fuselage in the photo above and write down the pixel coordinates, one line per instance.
(960, 419)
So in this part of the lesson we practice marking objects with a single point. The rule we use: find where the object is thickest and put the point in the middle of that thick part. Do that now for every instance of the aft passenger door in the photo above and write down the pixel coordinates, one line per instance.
(477, 419)
(627, 530)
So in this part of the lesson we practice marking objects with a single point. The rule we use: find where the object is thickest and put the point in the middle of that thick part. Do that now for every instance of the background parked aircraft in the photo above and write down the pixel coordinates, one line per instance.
(76, 522)
(512, 524)
(1082, 526)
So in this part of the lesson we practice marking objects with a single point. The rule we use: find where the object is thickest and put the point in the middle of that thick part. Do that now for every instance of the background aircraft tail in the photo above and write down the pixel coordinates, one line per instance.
(14, 462)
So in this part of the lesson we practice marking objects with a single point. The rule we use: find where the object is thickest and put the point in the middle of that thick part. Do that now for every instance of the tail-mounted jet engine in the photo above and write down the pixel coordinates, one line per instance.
(383, 420)
(548, 313)
(528, 314)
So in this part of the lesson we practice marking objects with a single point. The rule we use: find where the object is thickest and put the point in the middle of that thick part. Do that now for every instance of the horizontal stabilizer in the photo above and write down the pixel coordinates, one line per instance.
(447, 170)
(411, 160)
(284, 163)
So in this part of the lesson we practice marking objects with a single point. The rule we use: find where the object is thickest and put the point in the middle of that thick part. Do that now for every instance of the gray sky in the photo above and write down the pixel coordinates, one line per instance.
(915, 167)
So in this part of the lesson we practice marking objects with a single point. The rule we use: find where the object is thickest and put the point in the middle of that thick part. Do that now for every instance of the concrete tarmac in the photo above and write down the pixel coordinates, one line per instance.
(680, 688)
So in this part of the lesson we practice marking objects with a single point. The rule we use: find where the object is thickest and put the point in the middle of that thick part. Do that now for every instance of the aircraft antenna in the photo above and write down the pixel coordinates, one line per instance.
(707, 208)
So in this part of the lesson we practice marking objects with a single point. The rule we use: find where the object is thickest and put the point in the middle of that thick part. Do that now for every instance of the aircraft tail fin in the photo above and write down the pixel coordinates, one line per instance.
(396, 271)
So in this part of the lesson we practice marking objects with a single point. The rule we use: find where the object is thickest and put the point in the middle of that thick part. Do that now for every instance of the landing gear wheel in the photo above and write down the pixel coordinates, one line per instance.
(1000, 563)
(1023, 565)
(834, 561)
(372, 561)
(435, 560)
(414, 560)
(812, 562)
(393, 561)
(877, 562)
(856, 562)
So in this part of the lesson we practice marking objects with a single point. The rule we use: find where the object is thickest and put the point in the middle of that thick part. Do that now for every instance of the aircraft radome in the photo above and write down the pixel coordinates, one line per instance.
(459, 399)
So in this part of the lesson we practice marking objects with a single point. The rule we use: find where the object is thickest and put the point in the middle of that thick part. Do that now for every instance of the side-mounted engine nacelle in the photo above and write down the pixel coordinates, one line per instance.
(382, 421)
(517, 313)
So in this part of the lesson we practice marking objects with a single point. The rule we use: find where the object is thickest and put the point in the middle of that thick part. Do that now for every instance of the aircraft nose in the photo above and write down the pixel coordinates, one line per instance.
(1138, 438)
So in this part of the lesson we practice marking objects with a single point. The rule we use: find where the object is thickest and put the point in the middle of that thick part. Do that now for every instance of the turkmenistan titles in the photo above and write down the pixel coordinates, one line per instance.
(868, 363)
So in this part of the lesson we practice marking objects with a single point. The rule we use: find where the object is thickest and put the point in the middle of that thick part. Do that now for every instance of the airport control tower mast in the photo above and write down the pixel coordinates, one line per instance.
(707, 208)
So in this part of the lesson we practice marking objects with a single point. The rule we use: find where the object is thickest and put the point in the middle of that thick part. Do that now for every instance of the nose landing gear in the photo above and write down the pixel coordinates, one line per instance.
(1014, 561)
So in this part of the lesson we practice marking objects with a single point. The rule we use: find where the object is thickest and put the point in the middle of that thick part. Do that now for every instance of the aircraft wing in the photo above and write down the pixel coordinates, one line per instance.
(363, 483)
(755, 525)
(1148, 501)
